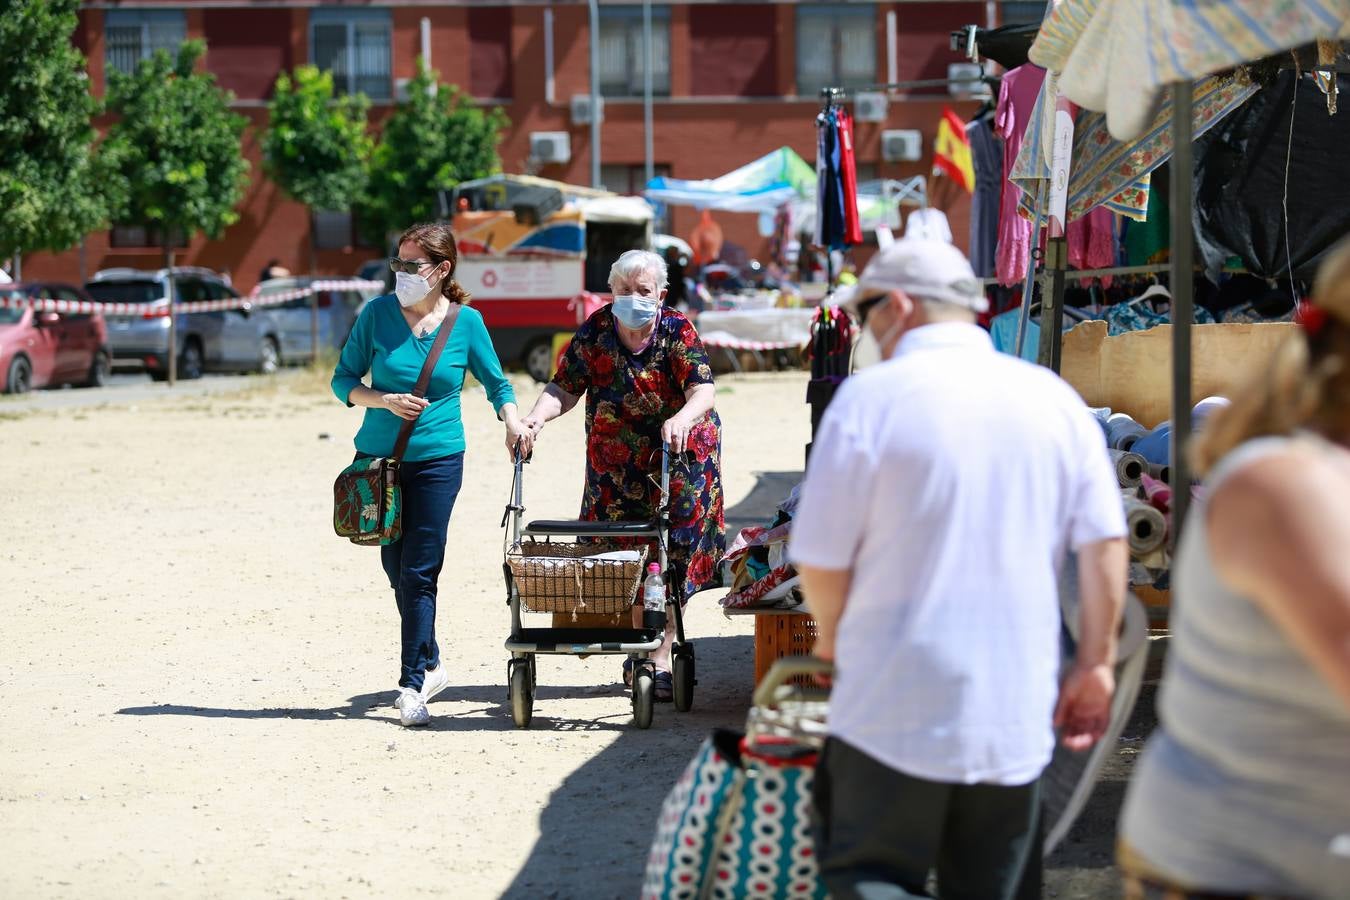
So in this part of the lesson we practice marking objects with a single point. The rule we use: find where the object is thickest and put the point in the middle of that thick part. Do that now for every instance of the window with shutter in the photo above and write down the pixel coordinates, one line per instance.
(836, 46)
(353, 44)
(621, 46)
(131, 35)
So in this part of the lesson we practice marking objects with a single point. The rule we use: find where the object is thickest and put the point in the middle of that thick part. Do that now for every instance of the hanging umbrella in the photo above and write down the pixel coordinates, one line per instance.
(1118, 56)
(759, 186)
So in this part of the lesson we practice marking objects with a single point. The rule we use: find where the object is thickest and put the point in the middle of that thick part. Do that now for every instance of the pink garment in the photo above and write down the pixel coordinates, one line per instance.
(1016, 99)
(1091, 238)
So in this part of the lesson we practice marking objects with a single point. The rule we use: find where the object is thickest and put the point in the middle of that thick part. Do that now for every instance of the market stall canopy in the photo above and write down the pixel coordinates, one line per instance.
(1118, 56)
(760, 186)
(616, 210)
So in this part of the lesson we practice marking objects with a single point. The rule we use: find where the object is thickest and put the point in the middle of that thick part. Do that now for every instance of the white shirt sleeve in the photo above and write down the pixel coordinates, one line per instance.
(1098, 509)
(827, 529)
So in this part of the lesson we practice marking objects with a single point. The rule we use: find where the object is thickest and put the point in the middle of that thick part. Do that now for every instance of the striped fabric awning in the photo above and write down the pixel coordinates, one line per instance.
(1117, 56)
(1107, 172)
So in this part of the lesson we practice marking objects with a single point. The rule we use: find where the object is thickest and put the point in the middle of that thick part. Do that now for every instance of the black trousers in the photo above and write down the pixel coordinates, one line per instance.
(880, 832)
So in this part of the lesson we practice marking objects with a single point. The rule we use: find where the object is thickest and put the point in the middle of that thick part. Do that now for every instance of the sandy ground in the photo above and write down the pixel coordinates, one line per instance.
(195, 674)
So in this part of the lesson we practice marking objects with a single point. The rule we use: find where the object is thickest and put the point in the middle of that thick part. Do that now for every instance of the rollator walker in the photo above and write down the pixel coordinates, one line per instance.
(570, 566)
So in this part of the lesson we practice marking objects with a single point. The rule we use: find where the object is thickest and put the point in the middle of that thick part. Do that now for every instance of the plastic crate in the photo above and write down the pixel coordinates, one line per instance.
(777, 636)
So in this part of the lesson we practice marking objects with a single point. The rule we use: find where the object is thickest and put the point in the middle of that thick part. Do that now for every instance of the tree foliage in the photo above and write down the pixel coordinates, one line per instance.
(316, 148)
(50, 194)
(431, 142)
(174, 151)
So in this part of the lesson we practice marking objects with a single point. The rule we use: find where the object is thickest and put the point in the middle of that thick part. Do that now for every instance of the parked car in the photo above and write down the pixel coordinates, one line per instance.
(234, 340)
(41, 349)
(337, 312)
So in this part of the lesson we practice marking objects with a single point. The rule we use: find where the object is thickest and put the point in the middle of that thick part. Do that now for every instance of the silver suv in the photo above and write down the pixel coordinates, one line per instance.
(234, 340)
(337, 311)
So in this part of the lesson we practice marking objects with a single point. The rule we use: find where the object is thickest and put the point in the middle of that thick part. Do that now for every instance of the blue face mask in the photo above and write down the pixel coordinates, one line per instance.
(636, 312)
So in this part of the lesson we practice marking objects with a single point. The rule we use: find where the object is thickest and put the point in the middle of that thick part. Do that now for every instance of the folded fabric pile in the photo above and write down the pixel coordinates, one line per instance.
(756, 567)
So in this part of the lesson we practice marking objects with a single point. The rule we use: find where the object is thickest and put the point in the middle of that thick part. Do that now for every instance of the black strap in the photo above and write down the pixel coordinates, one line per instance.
(424, 377)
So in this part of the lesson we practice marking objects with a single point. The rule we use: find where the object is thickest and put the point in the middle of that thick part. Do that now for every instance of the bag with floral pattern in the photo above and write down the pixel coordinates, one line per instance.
(367, 496)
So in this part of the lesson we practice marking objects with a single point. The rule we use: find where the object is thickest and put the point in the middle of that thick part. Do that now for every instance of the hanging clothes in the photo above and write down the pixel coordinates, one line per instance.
(848, 176)
(1092, 240)
(1016, 99)
(986, 155)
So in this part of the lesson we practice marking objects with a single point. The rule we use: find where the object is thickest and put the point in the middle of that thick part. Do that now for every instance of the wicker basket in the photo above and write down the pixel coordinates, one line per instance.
(565, 577)
(777, 636)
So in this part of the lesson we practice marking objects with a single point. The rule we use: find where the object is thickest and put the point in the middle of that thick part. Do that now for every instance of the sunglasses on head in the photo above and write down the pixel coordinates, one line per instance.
(410, 266)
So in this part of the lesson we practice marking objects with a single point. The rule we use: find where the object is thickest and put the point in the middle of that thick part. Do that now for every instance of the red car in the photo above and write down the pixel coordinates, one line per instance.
(42, 349)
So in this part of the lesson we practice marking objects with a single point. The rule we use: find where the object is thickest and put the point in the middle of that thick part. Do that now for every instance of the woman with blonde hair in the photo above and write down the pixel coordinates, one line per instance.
(1244, 790)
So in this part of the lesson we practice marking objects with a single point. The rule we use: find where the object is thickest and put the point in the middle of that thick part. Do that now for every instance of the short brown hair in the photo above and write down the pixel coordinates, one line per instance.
(438, 243)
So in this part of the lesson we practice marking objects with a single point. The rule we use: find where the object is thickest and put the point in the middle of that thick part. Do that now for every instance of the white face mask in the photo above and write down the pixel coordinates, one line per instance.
(411, 289)
(635, 311)
(870, 349)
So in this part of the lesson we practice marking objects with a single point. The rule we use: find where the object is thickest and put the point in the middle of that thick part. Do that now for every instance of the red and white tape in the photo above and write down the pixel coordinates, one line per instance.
(85, 307)
(733, 344)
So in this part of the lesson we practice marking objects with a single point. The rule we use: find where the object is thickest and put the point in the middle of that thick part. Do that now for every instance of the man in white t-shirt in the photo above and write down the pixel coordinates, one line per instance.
(945, 488)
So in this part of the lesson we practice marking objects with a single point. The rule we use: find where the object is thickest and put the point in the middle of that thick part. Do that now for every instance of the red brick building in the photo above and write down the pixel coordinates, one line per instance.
(732, 82)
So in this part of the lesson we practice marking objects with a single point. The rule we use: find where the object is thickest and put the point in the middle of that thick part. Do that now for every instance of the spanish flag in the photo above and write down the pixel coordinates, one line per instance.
(951, 150)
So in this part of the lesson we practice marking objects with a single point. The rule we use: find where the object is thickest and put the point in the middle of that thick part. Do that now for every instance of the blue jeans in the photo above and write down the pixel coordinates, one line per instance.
(413, 563)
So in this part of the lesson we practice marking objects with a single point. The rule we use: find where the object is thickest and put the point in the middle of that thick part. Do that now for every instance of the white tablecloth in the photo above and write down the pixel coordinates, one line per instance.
(757, 329)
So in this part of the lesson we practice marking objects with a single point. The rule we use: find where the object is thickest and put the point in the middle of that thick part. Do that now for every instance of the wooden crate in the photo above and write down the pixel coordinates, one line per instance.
(777, 636)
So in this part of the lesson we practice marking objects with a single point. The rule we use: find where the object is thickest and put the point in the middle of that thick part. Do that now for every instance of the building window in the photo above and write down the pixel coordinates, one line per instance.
(138, 237)
(621, 68)
(332, 229)
(836, 46)
(1021, 12)
(354, 46)
(132, 35)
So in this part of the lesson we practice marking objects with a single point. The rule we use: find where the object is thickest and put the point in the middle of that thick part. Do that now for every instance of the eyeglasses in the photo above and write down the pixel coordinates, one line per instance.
(411, 266)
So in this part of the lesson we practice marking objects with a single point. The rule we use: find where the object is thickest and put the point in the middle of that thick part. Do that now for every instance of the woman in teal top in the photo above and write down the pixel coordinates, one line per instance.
(390, 341)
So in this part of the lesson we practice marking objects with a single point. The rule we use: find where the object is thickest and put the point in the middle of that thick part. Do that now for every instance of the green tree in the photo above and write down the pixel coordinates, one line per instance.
(432, 142)
(174, 153)
(50, 194)
(317, 150)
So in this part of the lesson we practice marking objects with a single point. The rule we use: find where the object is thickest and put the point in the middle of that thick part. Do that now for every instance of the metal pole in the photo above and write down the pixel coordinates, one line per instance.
(647, 91)
(1183, 300)
(1052, 304)
(426, 42)
(595, 93)
(548, 55)
(1025, 317)
(169, 288)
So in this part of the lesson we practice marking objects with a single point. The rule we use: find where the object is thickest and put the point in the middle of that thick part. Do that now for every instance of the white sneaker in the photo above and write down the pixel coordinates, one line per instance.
(434, 681)
(412, 709)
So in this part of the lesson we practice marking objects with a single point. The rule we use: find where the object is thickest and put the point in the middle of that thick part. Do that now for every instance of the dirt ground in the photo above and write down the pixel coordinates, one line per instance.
(196, 675)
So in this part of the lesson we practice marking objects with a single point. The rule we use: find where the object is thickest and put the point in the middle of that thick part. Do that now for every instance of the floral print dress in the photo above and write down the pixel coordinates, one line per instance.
(629, 396)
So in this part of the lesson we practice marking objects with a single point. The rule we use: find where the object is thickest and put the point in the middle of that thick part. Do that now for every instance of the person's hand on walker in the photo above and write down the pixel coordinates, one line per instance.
(675, 434)
(519, 436)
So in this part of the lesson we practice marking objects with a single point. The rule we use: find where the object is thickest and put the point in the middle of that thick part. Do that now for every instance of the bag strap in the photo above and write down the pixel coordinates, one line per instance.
(424, 377)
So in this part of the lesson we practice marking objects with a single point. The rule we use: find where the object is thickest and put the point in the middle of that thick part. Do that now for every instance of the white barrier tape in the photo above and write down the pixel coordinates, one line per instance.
(84, 307)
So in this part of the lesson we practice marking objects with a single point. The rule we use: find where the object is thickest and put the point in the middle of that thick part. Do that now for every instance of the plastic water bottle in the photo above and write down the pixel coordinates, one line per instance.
(654, 598)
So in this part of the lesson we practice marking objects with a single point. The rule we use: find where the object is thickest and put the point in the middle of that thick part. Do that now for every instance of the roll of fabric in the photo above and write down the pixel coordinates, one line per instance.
(1156, 445)
(1130, 468)
(1147, 527)
(1162, 473)
(1157, 494)
(1122, 432)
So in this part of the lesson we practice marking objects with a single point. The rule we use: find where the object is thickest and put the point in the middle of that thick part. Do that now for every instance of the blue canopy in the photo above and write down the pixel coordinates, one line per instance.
(757, 187)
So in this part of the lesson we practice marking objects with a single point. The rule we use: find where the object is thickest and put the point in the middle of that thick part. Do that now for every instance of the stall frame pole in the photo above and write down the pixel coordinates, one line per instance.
(1183, 299)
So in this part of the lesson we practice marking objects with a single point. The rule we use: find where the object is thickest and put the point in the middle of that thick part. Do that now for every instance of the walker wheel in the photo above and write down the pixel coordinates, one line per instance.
(522, 693)
(644, 695)
(682, 674)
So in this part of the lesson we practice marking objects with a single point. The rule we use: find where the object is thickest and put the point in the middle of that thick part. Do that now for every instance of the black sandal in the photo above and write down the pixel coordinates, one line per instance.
(664, 691)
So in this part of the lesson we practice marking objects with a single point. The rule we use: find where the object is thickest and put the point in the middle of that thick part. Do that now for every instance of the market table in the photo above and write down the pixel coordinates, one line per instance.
(755, 330)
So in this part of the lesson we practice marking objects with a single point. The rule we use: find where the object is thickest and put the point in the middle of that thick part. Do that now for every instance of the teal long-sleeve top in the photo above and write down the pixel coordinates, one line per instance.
(382, 344)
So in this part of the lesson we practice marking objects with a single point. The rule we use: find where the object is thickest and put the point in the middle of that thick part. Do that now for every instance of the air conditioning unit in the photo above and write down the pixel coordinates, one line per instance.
(963, 80)
(902, 145)
(550, 146)
(581, 109)
(869, 107)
